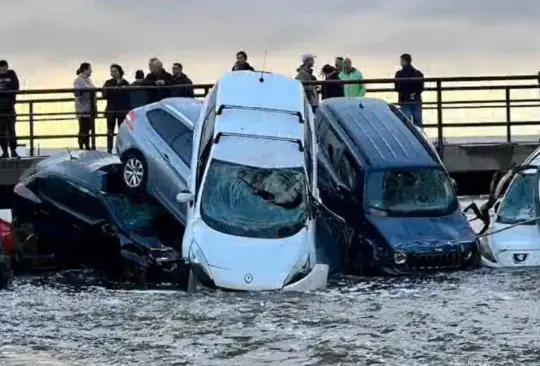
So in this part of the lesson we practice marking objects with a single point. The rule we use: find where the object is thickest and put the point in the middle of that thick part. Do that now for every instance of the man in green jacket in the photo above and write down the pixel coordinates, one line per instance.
(350, 73)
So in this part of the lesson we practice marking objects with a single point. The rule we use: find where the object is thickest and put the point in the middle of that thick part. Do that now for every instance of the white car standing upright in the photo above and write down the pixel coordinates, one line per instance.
(251, 222)
(513, 238)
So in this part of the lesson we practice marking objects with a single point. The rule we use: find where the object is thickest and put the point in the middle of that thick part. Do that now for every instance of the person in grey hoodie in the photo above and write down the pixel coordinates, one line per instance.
(85, 104)
(305, 73)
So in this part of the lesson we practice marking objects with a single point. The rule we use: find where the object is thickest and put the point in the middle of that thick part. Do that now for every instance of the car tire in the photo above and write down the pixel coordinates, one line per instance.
(134, 171)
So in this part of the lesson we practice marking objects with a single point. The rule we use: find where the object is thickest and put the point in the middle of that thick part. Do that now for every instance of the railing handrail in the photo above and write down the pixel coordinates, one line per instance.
(318, 83)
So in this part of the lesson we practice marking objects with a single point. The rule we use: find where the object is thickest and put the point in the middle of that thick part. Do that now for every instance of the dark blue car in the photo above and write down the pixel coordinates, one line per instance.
(380, 173)
(71, 211)
(5, 268)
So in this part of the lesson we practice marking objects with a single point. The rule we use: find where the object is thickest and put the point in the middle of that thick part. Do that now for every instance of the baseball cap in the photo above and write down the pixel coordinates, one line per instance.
(307, 56)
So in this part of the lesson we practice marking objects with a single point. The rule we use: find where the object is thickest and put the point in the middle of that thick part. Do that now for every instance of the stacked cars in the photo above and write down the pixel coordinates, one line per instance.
(249, 190)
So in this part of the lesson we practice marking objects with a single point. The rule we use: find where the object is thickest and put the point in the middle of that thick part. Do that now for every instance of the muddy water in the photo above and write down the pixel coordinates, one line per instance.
(483, 317)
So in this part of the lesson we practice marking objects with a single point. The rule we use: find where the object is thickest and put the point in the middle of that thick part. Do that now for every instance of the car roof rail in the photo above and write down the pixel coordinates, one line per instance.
(292, 113)
(275, 138)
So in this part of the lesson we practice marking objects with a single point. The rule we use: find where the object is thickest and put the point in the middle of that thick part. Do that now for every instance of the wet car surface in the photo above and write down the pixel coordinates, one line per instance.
(483, 317)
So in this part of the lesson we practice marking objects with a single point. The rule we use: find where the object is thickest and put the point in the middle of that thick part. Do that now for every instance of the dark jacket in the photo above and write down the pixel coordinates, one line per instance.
(409, 91)
(305, 74)
(333, 90)
(8, 82)
(117, 99)
(242, 67)
(160, 93)
(137, 98)
(186, 92)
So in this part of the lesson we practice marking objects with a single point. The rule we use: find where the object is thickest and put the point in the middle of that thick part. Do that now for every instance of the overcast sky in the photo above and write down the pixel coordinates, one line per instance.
(45, 40)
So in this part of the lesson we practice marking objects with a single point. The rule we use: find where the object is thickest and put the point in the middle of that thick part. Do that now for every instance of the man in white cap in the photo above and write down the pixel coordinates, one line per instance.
(305, 73)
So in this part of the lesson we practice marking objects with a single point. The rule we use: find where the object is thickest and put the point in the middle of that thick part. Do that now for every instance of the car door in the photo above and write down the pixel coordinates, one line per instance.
(56, 224)
(175, 159)
(99, 245)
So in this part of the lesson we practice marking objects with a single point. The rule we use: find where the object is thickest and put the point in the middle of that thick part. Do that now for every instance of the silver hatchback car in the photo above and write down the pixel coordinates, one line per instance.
(155, 145)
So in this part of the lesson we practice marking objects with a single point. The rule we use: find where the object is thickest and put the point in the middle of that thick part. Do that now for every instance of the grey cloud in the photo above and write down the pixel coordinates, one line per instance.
(105, 30)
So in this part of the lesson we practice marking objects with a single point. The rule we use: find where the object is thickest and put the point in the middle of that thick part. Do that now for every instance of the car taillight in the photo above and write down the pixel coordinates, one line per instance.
(6, 234)
(130, 119)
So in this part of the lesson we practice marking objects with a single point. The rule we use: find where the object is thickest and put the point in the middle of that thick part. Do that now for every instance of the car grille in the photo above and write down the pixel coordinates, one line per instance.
(452, 260)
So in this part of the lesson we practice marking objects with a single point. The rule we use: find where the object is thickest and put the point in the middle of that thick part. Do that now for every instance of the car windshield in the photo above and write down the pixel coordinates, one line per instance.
(518, 203)
(139, 214)
(412, 192)
(254, 202)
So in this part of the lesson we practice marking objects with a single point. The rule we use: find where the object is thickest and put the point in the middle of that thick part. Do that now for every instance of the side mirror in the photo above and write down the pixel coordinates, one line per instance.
(184, 197)
(107, 229)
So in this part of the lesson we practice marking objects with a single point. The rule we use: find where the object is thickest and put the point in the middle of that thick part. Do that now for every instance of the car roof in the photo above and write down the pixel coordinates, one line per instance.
(276, 91)
(263, 153)
(81, 168)
(260, 123)
(188, 107)
(378, 135)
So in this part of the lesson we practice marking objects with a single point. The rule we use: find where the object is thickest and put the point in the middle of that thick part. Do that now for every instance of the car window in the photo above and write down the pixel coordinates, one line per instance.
(207, 135)
(56, 189)
(348, 171)
(308, 142)
(87, 204)
(332, 147)
(166, 125)
(183, 146)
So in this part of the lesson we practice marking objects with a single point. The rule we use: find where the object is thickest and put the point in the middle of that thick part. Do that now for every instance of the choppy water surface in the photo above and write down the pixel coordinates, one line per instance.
(473, 318)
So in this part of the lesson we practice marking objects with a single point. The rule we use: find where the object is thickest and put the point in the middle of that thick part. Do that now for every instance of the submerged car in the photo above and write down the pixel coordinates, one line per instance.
(511, 233)
(253, 197)
(379, 173)
(75, 212)
(154, 145)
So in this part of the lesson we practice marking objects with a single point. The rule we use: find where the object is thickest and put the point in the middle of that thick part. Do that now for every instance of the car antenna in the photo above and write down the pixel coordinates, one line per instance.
(261, 79)
(71, 157)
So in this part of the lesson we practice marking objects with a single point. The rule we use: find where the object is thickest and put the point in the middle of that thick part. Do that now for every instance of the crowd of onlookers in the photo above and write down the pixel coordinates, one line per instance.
(177, 84)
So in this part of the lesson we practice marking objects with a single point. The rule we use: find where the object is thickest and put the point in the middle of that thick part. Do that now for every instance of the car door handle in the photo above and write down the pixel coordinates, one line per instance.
(166, 157)
(76, 226)
(44, 212)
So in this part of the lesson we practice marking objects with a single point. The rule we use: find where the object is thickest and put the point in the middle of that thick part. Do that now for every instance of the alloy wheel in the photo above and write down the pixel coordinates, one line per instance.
(133, 173)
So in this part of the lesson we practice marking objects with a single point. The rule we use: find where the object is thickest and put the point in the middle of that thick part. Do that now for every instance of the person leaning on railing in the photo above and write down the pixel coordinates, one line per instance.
(118, 102)
(410, 91)
(85, 104)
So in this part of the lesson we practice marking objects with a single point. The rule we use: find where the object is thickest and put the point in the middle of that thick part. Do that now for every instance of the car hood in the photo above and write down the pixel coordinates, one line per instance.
(249, 263)
(522, 237)
(425, 234)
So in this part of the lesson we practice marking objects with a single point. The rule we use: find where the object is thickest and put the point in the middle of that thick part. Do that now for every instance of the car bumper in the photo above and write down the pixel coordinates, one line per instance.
(226, 280)
(507, 259)
(315, 280)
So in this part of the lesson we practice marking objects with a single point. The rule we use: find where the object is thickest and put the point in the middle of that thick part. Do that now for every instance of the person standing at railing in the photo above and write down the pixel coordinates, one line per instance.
(410, 91)
(305, 74)
(138, 98)
(117, 98)
(159, 78)
(181, 79)
(350, 73)
(8, 136)
(241, 63)
(331, 90)
(85, 104)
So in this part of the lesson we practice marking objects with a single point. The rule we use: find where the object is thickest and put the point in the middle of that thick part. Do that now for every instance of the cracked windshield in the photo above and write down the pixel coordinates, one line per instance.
(254, 202)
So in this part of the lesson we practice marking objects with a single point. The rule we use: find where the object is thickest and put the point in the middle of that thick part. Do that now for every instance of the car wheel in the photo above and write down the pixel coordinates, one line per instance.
(134, 171)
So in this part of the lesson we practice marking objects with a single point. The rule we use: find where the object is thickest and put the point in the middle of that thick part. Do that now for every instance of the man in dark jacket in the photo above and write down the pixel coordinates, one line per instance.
(331, 90)
(181, 79)
(410, 91)
(159, 78)
(241, 62)
(8, 136)
(137, 98)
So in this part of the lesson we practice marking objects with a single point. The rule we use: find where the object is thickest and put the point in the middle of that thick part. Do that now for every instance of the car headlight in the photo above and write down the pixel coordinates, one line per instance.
(301, 269)
(485, 250)
(198, 261)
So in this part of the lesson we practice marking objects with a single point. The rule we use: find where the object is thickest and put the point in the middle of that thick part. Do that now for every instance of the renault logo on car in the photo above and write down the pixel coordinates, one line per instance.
(248, 278)
(520, 258)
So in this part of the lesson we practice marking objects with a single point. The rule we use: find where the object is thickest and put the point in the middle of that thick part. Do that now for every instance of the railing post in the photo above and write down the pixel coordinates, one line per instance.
(31, 126)
(508, 115)
(440, 135)
(93, 133)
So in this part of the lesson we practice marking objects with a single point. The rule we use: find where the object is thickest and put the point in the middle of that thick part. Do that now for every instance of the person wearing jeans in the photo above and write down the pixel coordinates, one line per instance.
(410, 91)
(85, 104)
